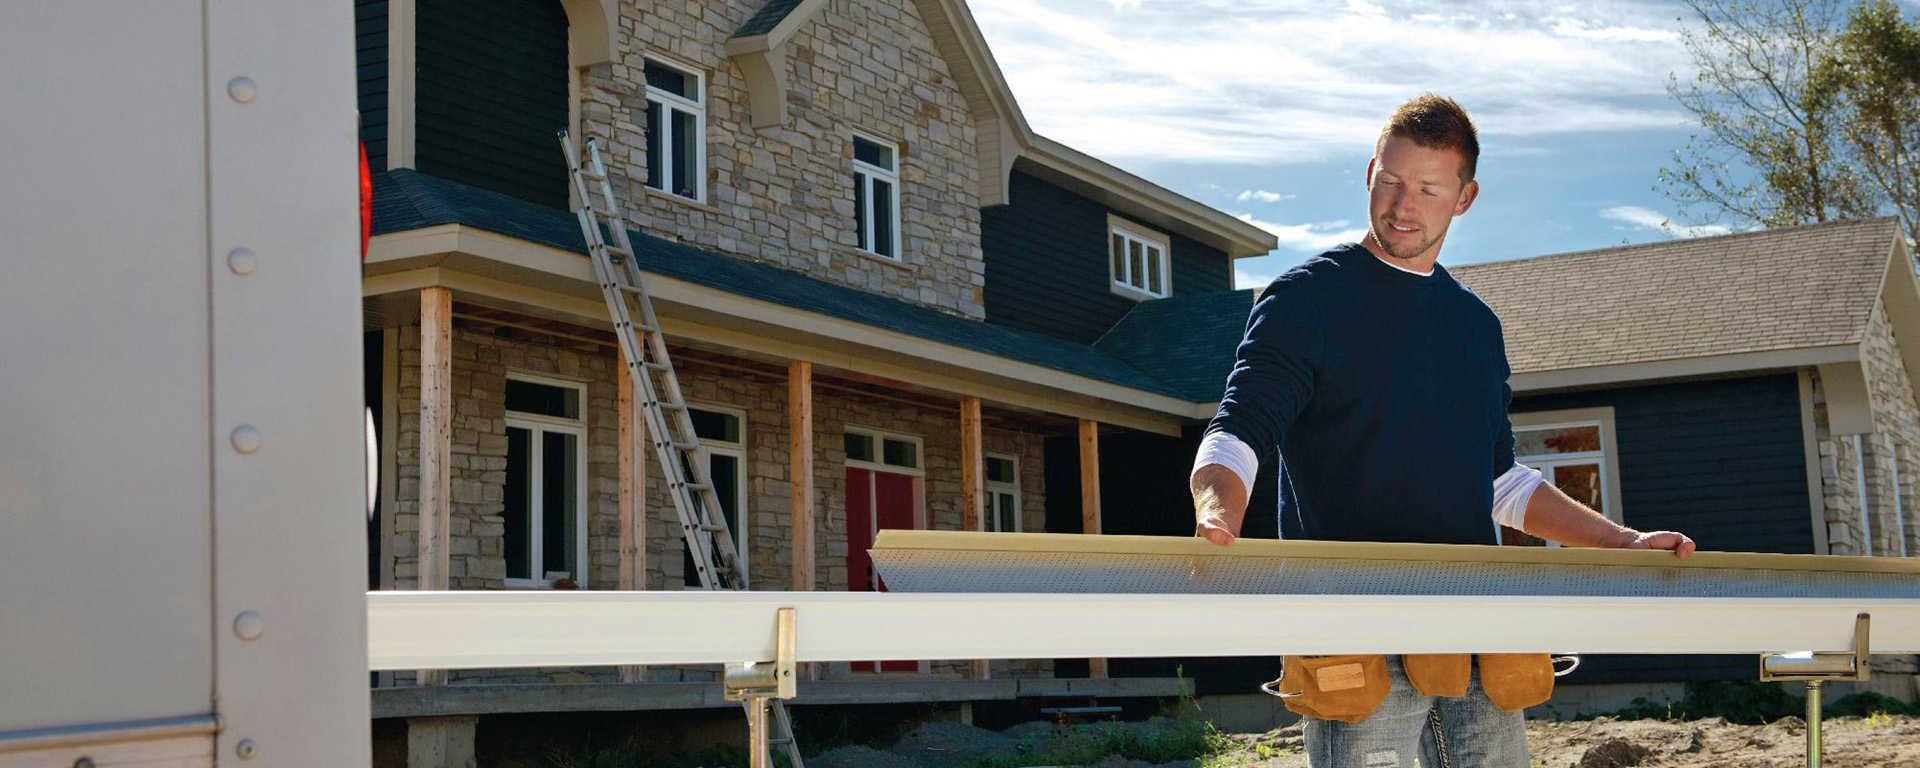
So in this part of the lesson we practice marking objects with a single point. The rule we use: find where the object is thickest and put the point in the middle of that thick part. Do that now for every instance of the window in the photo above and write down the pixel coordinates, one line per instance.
(1137, 260)
(722, 433)
(1574, 450)
(877, 450)
(876, 196)
(1003, 494)
(676, 130)
(545, 532)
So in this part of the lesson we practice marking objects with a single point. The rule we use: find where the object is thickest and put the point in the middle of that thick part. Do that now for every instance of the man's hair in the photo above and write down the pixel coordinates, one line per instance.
(1435, 122)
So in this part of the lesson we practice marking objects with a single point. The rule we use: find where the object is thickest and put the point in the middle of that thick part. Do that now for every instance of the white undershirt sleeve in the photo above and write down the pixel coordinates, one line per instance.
(1511, 492)
(1228, 451)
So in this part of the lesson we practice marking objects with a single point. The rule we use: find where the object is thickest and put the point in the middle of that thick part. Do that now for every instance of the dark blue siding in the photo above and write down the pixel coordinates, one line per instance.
(370, 74)
(1721, 461)
(1047, 265)
(490, 93)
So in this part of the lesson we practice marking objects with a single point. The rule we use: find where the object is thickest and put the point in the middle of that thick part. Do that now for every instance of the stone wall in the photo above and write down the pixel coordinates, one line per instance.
(482, 361)
(1888, 452)
(784, 195)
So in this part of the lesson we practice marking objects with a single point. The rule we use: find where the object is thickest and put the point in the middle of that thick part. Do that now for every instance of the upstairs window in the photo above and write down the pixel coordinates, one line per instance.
(676, 130)
(876, 196)
(1138, 261)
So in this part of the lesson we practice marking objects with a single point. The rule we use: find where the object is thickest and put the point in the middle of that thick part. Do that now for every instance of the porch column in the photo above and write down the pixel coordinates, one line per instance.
(800, 480)
(972, 490)
(633, 500)
(1090, 503)
(436, 436)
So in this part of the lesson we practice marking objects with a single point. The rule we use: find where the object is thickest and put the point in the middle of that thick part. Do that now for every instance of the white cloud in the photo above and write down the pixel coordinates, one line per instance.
(1646, 218)
(1282, 81)
(1243, 279)
(1262, 196)
(1309, 238)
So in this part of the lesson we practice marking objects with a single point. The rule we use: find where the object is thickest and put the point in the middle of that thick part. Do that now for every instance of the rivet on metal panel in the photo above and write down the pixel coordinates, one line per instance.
(246, 749)
(246, 439)
(241, 89)
(248, 625)
(241, 261)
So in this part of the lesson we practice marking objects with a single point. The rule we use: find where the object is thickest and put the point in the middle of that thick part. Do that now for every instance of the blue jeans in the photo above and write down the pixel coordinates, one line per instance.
(1464, 732)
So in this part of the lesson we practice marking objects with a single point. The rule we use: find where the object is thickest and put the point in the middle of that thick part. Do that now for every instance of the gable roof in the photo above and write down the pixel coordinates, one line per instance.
(404, 199)
(769, 16)
(1794, 288)
(1789, 288)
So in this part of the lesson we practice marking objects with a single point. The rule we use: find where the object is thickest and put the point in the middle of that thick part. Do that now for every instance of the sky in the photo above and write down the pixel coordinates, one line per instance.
(1267, 109)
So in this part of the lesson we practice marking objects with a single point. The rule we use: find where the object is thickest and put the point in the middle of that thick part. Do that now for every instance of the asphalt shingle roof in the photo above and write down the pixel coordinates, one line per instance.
(768, 17)
(1788, 288)
(404, 199)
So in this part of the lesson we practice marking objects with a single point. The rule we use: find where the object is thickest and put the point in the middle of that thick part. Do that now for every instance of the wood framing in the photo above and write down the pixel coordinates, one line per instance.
(1090, 503)
(633, 494)
(972, 489)
(436, 436)
(800, 471)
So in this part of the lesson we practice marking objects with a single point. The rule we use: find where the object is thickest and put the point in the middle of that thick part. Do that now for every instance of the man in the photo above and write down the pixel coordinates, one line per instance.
(1383, 383)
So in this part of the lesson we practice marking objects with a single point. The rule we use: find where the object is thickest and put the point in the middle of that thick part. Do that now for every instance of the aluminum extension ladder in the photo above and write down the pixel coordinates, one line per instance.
(670, 426)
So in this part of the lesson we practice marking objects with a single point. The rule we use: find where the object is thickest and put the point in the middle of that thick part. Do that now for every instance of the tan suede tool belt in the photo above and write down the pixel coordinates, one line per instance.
(1350, 687)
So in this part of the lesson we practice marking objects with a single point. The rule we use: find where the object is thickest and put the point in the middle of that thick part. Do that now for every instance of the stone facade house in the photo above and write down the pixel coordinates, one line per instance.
(871, 272)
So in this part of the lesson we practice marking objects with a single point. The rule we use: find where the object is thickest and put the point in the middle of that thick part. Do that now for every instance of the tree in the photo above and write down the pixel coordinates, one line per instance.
(1771, 150)
(1873, 72)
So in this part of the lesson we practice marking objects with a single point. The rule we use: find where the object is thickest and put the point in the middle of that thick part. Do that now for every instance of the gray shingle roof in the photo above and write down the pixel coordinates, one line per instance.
(404, 199)
(1786, 288)
(768, 17)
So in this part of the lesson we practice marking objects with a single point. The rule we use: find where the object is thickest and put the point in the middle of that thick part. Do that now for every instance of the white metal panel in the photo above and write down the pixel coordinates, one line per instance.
(413, 630)
(104, 604)
(289, 525)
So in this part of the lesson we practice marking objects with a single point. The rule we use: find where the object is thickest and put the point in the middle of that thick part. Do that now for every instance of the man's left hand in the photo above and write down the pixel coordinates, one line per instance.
(1632, 539)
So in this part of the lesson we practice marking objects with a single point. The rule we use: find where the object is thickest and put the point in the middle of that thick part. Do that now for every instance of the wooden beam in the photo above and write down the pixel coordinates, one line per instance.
(800, 471)
(633, 495)
(436, 437)
(1090, 503)
(972, 490)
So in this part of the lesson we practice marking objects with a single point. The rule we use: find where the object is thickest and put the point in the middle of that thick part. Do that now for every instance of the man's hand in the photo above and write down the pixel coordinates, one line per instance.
(1632, 539)
(1219, 504)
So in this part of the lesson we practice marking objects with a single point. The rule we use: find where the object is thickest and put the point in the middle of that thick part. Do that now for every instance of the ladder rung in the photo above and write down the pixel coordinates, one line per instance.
(713, 528)
(696, 486)
(644, 328)
(617, 250)
(672, 406)
(604, 214)
(592, 175)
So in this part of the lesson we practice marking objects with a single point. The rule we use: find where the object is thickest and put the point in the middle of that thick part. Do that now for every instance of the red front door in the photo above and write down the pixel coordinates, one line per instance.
(876, 501)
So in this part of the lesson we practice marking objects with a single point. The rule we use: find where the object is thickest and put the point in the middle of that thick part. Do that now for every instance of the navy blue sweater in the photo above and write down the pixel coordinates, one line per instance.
(1386, 394)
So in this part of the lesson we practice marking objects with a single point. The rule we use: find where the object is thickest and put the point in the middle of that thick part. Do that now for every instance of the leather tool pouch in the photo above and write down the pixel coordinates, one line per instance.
(1515, 681)
(1439, 674)
(1346, 687)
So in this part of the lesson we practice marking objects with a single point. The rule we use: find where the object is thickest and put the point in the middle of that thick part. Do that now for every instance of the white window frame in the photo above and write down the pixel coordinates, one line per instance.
(668, 102)
(879, 447)
(536, 534)
(1011, 489)
(1608, 456)
(739, 453)
(1122, 281)
(865, 174)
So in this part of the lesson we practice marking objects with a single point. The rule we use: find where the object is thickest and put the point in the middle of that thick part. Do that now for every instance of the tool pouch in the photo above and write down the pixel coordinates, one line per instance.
(1515, 681)
(1346, 687)
(1439, 674)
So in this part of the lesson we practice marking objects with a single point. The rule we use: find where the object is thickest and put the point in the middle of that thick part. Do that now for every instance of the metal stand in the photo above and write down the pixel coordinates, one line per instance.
(1815, 668)
(756, 684)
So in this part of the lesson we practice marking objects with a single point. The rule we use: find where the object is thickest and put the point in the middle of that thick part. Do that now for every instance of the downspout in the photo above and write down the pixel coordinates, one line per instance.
(1860, 473)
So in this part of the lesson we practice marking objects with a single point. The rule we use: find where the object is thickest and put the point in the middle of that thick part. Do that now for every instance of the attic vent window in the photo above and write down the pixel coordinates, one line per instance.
(676, 130)
(876, 196)
(1139, 262)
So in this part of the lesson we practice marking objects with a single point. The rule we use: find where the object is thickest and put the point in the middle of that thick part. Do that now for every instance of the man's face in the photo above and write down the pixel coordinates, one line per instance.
(1414, 193)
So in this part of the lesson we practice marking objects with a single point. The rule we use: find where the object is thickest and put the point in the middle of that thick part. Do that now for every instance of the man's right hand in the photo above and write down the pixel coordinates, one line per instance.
(1219, 504)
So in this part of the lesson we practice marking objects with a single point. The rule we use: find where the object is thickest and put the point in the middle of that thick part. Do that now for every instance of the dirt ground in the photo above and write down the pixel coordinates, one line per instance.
(1883, 741)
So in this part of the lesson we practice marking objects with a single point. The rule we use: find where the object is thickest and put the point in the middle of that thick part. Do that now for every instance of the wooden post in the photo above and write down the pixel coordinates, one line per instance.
(436, 437)
(1090, 503)
(800, 481)
(633, 500)
(972, 489)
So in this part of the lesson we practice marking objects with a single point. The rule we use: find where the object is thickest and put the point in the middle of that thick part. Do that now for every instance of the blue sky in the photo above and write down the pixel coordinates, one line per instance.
(1267, 109)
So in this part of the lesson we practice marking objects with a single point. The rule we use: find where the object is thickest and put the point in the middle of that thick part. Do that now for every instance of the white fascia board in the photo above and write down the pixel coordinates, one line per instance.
(1568, 378)
(491, 629)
